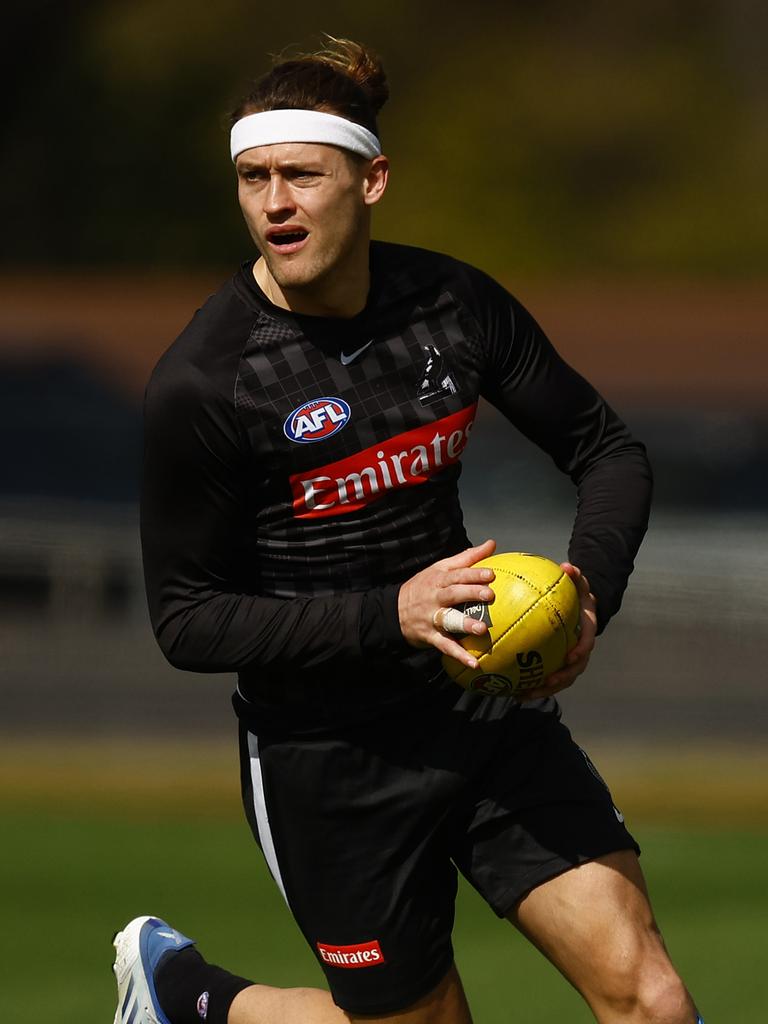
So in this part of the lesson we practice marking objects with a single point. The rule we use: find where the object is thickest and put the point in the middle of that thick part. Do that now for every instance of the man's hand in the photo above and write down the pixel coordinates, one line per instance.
(451, 581)
(577, 658)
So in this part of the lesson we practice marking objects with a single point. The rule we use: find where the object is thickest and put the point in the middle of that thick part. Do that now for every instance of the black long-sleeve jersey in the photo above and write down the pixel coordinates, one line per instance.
(299, 469)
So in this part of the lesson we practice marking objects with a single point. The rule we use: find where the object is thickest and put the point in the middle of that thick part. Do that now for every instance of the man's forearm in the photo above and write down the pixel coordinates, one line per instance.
(614, 499)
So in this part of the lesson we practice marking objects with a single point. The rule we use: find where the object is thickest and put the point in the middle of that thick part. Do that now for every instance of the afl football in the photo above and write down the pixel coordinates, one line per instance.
(532, 624)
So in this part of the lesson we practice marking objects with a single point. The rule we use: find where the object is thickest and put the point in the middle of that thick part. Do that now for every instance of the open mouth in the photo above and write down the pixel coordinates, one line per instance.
(287, 241)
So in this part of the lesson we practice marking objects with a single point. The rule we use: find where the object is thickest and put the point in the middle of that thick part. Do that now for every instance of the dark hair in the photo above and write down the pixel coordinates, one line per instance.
(345, 78)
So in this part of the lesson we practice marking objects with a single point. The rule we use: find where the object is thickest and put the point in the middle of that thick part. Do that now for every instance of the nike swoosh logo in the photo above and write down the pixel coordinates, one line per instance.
(347, 359)
(619, 815)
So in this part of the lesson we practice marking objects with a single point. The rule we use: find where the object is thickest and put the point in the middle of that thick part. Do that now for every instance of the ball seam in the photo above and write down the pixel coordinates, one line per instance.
(555, 609)
(532, 607)
(542, 596)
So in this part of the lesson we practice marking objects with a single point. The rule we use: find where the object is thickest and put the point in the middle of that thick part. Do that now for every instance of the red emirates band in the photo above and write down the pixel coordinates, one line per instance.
(364, 954)
(403, 461)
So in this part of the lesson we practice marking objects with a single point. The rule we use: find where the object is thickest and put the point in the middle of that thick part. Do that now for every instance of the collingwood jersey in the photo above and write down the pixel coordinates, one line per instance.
(299, 469)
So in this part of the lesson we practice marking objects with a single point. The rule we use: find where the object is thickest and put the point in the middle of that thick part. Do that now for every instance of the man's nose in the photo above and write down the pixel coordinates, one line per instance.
(278, 195)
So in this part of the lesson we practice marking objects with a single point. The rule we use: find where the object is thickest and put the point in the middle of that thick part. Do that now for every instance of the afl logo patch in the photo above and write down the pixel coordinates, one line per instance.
(493, 684)
(316, 420)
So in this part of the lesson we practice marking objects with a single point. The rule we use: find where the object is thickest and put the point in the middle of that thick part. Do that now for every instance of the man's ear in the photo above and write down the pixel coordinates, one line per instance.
(375, 181)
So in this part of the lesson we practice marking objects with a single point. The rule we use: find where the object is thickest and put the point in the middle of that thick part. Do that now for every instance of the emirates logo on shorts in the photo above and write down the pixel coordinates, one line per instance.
(364, 954)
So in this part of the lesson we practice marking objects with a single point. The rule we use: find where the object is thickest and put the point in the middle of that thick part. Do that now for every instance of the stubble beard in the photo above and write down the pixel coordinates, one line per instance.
(299, 275)
(310, 273)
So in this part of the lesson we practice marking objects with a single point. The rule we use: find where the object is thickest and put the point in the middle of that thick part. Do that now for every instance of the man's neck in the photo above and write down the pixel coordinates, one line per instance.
(343, 297)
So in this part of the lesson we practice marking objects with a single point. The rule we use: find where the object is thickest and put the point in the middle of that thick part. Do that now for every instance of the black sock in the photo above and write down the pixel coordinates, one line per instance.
(190, 990)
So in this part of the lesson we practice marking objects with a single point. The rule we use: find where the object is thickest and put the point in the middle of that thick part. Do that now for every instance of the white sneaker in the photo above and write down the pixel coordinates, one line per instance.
(139, 948)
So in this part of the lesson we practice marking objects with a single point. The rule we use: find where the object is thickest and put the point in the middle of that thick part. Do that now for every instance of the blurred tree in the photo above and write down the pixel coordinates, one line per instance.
(538, 137)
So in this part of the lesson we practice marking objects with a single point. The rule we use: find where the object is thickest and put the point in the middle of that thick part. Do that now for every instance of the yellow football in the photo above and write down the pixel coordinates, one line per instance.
(532, 624)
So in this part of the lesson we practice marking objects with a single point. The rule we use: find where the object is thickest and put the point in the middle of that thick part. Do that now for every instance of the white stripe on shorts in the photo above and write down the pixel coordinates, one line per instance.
(262, 818)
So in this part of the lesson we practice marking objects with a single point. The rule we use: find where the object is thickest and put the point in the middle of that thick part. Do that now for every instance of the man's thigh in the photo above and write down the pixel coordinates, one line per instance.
(577, 915)
(595, 924)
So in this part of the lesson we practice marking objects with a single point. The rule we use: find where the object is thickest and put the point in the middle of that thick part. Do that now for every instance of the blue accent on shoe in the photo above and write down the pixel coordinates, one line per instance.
(153, 945)
(128, 994)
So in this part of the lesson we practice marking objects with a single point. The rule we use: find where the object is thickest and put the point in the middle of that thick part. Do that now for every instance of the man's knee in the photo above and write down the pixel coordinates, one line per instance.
(664, 999)
(647, 989)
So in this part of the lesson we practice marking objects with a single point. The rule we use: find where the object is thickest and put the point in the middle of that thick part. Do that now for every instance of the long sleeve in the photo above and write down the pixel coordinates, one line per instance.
(200, 575)
(562, 413)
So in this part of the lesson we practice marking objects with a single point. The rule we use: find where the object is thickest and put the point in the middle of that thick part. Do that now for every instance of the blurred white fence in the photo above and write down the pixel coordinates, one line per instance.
(687, 656)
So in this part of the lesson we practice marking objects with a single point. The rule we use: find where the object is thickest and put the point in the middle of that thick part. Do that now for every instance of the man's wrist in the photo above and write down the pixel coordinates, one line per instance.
(380, 632)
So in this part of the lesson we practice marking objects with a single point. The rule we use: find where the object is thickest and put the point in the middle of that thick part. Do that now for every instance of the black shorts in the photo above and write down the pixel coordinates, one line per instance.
(364, 832)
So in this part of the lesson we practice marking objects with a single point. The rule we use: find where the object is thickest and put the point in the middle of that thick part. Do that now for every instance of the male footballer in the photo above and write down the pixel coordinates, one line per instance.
(301, 527)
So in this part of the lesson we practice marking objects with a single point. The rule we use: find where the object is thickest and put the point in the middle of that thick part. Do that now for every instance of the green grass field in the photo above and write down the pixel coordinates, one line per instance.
(82, 857)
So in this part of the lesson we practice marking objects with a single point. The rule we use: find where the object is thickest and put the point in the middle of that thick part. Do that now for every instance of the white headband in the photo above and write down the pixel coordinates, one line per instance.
(273, 126)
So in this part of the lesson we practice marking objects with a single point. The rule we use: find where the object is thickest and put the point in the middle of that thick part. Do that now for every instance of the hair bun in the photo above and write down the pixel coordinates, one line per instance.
(344, 78)
(362, 65)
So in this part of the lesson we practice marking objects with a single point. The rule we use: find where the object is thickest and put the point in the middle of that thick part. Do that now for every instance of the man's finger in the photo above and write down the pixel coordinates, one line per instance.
(578, 577)
(470, 555)
(452, 620)
(583, 649)
(465, 593)
(565, 676)
(553, 684)
(447, 646)
(449, 620)
(467, 574)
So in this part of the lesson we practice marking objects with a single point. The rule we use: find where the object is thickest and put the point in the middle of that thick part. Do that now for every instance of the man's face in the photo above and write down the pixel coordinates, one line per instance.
(306, 207)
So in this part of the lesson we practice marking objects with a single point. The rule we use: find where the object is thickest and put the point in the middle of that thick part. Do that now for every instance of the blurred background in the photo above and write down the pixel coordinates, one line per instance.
(608, 164)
